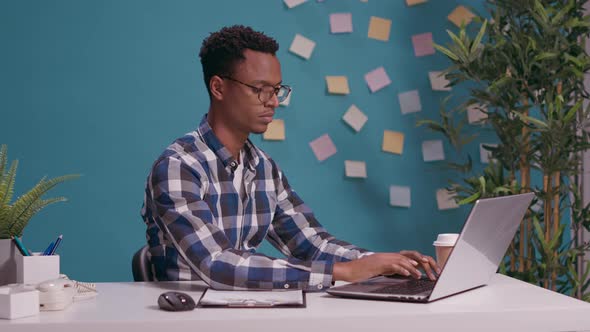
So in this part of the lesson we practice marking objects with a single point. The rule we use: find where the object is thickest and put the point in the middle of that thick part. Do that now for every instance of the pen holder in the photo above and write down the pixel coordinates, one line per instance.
(37, 268)
(17, 301)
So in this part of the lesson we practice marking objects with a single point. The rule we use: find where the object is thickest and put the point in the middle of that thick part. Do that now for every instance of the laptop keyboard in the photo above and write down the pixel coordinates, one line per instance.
(410, 287)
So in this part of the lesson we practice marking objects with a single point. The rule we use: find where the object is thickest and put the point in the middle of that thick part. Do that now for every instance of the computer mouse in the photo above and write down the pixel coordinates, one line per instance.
(176, 301)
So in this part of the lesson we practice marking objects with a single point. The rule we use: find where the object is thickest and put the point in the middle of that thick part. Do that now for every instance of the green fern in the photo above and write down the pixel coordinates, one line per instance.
(15, 217)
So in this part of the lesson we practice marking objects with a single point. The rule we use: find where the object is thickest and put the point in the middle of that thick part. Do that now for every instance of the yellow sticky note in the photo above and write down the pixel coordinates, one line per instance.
(415, 2)
(275, 131)
(379, 28)
(393, 141)
(337, 85)
(461, 14)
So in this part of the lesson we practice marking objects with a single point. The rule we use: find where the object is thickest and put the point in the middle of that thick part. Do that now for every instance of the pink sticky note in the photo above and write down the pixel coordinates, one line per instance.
(323, 147)
(423, 44)
(341, 22)
(377, 79)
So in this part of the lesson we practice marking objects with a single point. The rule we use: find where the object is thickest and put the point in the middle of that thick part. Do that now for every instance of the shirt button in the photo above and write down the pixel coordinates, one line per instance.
(286, 286)
(320, 286)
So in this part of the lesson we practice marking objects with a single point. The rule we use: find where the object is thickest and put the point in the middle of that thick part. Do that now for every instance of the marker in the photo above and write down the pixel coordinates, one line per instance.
(57, 242)
(49, 248)
(20, 246)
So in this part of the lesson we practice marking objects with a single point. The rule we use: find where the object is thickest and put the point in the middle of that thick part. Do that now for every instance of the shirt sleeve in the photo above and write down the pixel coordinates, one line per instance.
(296, 232)
(185, 218)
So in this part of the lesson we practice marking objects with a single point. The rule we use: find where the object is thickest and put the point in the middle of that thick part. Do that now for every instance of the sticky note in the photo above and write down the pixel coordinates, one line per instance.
(293, 3)
(415, 2)
(476, 114)
(400, 196)
(409, 102)
(340, 22)
(355, 118)
(302, 46)
(393, 141)
(423, 44)
(445, 200)
(377, 79)
(323, 147)
(355, 169)
(275, 131)
(433, 150)
(461, 15)
(287, 100)
(379, 28)
(337, 85)
(484, 154)
(437, 82)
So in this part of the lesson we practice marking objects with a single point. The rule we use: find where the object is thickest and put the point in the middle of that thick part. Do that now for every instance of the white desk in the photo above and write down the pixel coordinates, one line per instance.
(505, 305)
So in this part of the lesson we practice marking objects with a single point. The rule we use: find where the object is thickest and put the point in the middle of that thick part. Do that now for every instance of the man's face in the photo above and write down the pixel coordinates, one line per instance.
(244, 109)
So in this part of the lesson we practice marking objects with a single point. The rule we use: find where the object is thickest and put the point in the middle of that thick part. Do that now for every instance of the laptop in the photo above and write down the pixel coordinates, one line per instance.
(482, 243)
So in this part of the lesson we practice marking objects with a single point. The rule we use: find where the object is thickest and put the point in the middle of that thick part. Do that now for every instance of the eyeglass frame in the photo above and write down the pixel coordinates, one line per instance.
(259, 90)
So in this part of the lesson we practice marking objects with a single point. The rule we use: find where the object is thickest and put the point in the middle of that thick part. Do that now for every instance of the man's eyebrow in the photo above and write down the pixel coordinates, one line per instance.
(263, 82)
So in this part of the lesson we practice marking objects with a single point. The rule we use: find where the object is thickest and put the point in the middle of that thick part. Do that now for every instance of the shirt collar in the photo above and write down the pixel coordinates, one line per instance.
(251, 156)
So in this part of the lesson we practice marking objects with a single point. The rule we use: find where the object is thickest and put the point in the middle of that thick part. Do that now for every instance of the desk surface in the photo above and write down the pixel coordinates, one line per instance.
(505, 305)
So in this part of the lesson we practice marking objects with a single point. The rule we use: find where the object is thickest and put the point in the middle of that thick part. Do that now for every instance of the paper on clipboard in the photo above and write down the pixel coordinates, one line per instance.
(252, 299)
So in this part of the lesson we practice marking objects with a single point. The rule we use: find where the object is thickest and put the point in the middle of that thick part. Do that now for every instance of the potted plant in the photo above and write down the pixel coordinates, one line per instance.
(14, 216)
(525, 70)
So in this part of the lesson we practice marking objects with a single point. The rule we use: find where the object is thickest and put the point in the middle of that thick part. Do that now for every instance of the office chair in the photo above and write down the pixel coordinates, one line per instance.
(140, 266)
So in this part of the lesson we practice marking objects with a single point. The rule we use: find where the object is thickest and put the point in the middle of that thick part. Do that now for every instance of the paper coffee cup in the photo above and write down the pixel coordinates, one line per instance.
(443, 245)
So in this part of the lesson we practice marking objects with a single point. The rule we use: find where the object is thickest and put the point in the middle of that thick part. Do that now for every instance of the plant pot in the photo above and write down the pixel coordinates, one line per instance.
(8, 252)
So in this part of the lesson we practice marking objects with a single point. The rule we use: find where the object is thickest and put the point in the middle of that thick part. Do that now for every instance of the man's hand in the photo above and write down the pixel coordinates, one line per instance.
(405, 263)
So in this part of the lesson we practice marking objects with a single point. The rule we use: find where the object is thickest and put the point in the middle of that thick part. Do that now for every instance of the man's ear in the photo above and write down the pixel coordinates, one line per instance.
(216, 87)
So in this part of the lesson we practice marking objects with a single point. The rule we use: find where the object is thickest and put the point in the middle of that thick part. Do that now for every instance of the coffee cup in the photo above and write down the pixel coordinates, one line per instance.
(443, 245)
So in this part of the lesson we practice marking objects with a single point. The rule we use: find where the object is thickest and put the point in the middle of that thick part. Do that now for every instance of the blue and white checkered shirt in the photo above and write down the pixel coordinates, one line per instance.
(198, 228)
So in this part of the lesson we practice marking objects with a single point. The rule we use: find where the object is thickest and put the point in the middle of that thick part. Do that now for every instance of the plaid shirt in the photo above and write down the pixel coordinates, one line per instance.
(198, 228)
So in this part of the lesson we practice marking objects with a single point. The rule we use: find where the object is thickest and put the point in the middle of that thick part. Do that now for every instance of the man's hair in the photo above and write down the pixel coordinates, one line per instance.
(223, 49)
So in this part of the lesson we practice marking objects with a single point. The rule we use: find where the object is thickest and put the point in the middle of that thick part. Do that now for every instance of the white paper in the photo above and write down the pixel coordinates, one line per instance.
(485, 154)
(286, 102)
(433, 150)
(293, 3)
(475, 115)
(400, 196)
(410, 102)
(444, 200)
(355, 118)
(302, 46)
(355, 169)
(438, 83)
(217, 297)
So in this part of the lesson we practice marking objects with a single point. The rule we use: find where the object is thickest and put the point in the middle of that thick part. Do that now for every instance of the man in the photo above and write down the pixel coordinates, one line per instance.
(212, 197)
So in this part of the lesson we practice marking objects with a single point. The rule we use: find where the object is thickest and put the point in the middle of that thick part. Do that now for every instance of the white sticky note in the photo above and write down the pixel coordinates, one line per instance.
(409, 102)
(275, 131)
(286, 102)
(341, 23)
(355, 169)
(433, 150)
(355, 118)
(302, 46)
(323, 147)
(438, 83)
(293, 3)
(476, 114)
(445, 200)
(377, 79)
(400, 196)
(484, 154)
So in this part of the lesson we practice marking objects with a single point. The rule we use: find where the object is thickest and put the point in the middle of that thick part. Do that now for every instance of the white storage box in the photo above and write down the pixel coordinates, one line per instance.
(17, 301)
(37, 268)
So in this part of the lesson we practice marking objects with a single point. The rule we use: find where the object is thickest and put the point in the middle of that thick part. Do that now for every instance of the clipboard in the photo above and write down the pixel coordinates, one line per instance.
(252, 299)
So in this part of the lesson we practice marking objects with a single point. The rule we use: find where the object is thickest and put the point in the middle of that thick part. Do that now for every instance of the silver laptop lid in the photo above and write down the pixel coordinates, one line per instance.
(486, 235)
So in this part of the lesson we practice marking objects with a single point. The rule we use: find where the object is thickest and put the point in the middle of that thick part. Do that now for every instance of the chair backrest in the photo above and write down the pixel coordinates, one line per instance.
(140, 265)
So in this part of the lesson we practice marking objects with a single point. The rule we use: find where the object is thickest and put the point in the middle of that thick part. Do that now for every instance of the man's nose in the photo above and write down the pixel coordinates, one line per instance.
(273, 101)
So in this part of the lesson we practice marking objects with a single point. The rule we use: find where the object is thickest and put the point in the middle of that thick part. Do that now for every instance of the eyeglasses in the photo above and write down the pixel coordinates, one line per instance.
(266, 92)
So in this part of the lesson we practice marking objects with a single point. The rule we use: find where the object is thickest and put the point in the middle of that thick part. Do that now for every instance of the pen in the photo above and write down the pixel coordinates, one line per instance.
(20, 246)
(49, 248)
(57, 242)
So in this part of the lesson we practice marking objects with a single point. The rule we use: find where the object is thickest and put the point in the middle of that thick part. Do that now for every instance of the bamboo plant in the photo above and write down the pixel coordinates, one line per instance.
(525, 69)
(14, 217)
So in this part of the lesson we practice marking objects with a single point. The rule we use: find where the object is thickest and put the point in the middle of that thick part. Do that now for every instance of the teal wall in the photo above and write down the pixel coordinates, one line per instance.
(100, 88)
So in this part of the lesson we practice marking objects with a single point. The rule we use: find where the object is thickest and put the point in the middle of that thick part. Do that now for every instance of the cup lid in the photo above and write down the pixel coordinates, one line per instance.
(446, 239)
